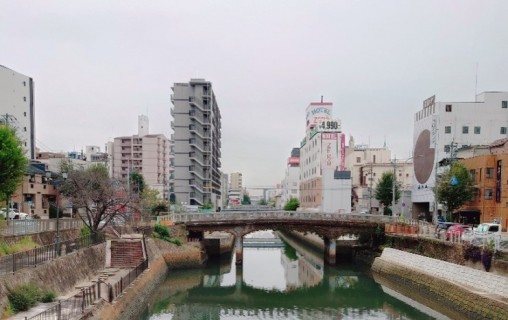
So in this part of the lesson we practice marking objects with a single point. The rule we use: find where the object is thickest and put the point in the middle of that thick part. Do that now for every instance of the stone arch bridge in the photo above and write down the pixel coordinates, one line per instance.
(328, 226)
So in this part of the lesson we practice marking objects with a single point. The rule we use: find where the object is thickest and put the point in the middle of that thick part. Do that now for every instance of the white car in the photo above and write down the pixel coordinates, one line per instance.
(483, 232)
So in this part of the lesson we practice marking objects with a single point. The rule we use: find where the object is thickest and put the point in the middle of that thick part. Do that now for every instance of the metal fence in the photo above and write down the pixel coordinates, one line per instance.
(20, 227)
(117, 288)
(34, 257)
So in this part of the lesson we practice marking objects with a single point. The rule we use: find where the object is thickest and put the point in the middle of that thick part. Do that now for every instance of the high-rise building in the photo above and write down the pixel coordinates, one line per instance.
(324, 184)
(197, 143)
(17, 107)
(146, 154)
(441, 128)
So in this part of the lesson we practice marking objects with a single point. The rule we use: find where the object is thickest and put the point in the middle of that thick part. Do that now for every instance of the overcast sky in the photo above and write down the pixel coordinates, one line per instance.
(97, 65)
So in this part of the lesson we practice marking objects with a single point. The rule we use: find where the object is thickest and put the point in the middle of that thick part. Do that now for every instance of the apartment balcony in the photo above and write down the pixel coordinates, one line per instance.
(196, 102)
(195, 142)
(197, 171)
(197, 129)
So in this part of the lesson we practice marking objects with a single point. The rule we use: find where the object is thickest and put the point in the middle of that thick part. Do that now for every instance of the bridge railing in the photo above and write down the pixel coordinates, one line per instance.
(277, 215)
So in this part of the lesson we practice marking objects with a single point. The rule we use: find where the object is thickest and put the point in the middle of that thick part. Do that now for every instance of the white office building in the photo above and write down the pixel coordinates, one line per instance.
(325, 185)
(17, 107)
(290, 184)
(440, 128)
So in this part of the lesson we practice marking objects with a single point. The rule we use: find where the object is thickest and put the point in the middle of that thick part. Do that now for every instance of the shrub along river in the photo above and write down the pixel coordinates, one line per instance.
(287, 282)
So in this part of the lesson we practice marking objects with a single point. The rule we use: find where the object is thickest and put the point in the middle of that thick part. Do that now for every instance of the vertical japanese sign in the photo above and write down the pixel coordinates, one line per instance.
(498, 180)
(343, 152)
(329, 150)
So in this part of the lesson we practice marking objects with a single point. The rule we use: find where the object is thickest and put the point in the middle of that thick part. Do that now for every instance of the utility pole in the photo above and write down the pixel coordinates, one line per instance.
(394, 181)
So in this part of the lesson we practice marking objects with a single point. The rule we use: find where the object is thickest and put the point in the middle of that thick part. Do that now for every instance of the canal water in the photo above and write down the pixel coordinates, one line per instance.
(286, 282)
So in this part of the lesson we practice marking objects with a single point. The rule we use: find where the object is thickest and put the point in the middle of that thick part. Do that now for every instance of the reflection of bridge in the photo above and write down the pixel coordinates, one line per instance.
(327, 225)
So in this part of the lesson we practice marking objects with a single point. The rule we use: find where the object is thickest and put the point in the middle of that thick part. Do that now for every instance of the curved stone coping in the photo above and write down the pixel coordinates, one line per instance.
(476, 280)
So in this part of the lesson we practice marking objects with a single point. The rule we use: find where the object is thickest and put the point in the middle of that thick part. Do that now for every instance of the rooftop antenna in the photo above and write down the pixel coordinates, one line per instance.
(476, 84)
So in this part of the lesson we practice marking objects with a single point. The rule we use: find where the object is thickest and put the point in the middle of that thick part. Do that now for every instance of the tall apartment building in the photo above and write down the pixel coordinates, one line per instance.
(325, 185)
(147, 154)
(290, 184)
(17, 107)
(197, 143)
(442, 127)
(224, 190)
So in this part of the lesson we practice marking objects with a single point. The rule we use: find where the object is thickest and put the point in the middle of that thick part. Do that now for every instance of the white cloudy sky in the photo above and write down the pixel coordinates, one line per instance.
(97, 65)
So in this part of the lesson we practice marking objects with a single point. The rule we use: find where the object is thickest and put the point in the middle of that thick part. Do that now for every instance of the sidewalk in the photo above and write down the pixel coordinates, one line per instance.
(108, 275)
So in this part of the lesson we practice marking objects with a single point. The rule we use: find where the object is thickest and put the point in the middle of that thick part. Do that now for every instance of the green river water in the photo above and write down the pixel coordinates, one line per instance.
(280, 283)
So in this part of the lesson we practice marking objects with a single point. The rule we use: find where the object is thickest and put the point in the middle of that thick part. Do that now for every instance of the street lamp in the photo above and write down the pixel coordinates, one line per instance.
(56, 184)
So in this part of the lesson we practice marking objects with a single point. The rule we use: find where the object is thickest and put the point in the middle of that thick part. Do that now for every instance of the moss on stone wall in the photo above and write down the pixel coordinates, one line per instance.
(460, 300)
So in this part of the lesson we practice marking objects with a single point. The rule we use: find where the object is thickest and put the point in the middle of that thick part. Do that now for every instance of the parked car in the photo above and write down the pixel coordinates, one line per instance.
(14, 215)
(442, 227)
(482, 232)
(457, 230)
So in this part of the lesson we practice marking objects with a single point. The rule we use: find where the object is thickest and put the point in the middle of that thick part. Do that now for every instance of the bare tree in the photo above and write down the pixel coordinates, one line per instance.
(97, 197)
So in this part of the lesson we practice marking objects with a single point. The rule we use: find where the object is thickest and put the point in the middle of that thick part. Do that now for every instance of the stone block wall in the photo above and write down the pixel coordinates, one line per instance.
(475, 294)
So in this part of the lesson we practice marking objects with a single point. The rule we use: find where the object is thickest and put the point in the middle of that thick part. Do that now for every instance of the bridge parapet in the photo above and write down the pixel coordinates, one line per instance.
(279, 215)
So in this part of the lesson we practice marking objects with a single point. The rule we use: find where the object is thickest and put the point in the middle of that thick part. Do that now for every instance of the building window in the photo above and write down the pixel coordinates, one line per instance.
(504, 104)
(465, 129)
(447, 148)
(24, 83)
(358, 159)
(489, 173)
(374, 159)
(477, 130)
(503, 130)
(24, 98)
(488, 194)
(24, 129)
(24, 113)
(448, 108)
(448, 129)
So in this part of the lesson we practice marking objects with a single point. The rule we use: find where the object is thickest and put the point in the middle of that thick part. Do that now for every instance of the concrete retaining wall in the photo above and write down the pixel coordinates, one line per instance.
(59, 275)
(474, 293)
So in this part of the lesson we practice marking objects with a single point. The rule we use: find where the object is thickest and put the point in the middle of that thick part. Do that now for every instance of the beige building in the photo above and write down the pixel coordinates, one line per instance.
(146, 154)
(35, 193)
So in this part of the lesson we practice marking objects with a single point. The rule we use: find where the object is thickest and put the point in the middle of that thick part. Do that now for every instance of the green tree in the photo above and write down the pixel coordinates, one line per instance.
(384, 191)
(292, 204)
(12, 162)
(454, 188)
(137, 182)
(262, 202)
(95, 194)
(246, 199)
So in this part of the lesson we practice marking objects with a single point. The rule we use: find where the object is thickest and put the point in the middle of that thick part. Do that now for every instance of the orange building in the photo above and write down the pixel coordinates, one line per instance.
(490, 180)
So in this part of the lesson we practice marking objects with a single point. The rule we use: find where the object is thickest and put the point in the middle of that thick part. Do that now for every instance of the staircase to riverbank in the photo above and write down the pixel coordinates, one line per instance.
(126, 253)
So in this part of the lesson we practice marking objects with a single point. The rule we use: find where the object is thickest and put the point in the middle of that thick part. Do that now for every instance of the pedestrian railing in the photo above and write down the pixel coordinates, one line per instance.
(116, 289)
(34, 257)
(20, 227)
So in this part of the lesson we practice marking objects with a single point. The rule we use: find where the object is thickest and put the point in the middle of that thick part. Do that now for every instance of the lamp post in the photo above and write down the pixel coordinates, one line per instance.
(394, 182)
(57, 237)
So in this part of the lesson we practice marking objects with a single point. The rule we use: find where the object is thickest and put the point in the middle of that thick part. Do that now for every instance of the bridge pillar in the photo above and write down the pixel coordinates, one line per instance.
(239, 249)
(330, 250)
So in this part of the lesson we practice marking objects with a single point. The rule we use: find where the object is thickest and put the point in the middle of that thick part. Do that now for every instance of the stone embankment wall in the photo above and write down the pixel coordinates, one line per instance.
(162, 256)
(60, 275)
(475, 294)
(43, 238)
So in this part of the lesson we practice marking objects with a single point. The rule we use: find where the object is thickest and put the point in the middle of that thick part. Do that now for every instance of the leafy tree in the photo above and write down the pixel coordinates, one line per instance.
(160, 207)
(384, 191)
(454, 188)
(149, 200)
(94, 193)
(246, 199)
(137, 182)
(262, 202)
(292, 204)
(207, 205)
(12, 162)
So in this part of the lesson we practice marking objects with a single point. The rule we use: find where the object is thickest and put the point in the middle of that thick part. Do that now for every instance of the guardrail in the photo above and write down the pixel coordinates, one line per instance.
(276, 215)
(20, 227)
(32, 258)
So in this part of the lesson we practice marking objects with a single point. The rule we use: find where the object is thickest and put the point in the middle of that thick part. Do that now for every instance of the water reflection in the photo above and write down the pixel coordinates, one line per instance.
(277, 283)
